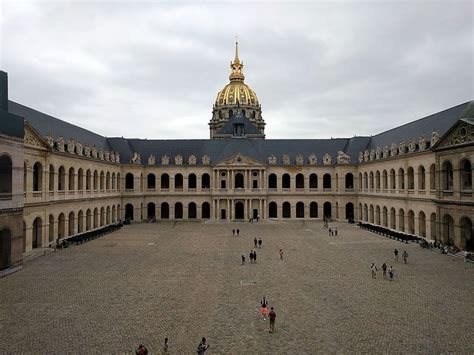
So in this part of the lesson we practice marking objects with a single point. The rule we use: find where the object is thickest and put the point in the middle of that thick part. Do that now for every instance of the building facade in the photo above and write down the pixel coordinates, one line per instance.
(59, 180)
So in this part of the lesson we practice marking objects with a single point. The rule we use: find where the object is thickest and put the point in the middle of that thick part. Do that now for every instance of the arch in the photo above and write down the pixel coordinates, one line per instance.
(239, 210)
(51, 228)
(411, 222)
(393, 220)
(411, 178)
(272, 210)
(433, 226)
(327, 181)
(95, 181)
(37, 176)
(447, 176)
(129, 211)
(96, 217)
(51, 178)
(114, 182)
(88, 180)
(141, 184)
(349, 211)
(239, 181)
(361, 211)
(165, 181)
(401, 220)
(384, 180)
(448, 230)
(366, 180)
(107, 215)
(102, 181)
(371, 214)
(467, 235)
(421, 178)
(432, 176)
(71, 223)
(192, 181)
(377, 180)
(466, 175)
(71, 179)
(422, 224)
(114, 214)
(25, 176)
(349, 181)
(129, 183)
(393, 180)
(192, 210)
(80, 221)
(107, 181)
(80, 179)
(151, 210)
(360, 181)
(272, 181)
(377, 215)
(313, 181)
(178, 181)
(37, 236)
(299, 210)
(205, 181)
(102, 216)
(313, 210)
(371, 180)
(61, 225)
(61, 178)
(119, 184)
(165, 210)
(327, 209)
(178, 210)
(5, 244)
(286, 210)
(151, 181)
(401, 179)
(366, 212)
(206, 210)
(384, 216)
(299, 181)
(286, 181)
(6, 178)
(88, 219)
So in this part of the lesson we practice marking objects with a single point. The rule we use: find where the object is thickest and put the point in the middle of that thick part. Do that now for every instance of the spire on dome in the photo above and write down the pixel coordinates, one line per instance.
(237, 66)
(236, 60)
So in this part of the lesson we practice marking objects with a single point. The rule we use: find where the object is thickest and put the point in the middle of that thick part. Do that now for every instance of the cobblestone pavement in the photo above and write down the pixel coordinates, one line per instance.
(184, 281)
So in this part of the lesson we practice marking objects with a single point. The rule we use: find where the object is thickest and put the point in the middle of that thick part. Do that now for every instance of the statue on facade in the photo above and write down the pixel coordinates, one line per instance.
(286, 159)
(421, 143)
(136, 158)
(343, 158)
(312, 159)
(299, 159)
(192, 160)
(327, 159)
(165, 160)
(434, 138)
(70, 146)
(151, 160)
(60, 144)
(178, 159)
(411, 145)
(206, 160)
(272, 160)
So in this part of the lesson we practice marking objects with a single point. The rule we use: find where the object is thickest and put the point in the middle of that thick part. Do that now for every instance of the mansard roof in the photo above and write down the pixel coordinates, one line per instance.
(238, 118)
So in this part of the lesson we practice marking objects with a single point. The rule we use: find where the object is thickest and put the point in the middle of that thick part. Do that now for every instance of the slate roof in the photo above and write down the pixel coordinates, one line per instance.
(238, 118)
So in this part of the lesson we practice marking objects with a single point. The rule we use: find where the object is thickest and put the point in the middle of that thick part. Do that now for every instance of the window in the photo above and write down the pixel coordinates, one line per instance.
(129, 183)
(326, 181)
(192, 181)
(37, 177)
(151, 181)
(285, 181)
(178, 181)
(205, 182)
(349, 180)
(313, 181)
(466, 175)
(165, 182)
(272, 181)
(300, 181)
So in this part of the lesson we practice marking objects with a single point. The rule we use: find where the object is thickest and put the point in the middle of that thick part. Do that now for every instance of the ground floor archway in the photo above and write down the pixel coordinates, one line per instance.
(239, 210)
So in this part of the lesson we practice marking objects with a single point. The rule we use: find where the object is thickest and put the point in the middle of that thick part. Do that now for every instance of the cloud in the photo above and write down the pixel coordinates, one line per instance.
(148, 69)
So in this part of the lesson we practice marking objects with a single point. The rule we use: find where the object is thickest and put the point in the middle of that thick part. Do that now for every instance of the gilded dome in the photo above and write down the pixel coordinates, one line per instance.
(236, 91)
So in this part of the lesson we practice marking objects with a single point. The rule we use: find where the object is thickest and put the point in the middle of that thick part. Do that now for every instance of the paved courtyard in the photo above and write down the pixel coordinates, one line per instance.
(184, 281)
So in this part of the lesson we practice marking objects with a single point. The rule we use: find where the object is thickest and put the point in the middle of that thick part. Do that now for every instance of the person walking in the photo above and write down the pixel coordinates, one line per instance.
(391, 272)
(243, 260)
(254, 257)
(260, 242)
(251, 256)
(373, 268)
(272, 316)
(255, 241)
(142, 350)
(264, 304)
(233, 232)
(395, 255)
(238, 232)
(281, 254)
(166, 346)
(384, 269)
(405, 256)
(335, 232)
(202, 347)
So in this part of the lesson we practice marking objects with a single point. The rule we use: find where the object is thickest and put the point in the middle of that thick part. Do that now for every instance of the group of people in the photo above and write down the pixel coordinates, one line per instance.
(251, 219)
(271, 315)
(252, 257)
(333, 231)
(201, 349)
(391, 271)
(236, 231)
(404, 255)
(257, 242)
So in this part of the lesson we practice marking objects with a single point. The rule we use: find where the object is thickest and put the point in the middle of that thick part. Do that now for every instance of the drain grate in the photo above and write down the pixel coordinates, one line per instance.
(247, 283)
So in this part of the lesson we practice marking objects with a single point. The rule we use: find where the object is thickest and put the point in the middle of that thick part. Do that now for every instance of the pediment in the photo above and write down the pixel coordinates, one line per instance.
(34, 139)
(239, 160)
(462, 133)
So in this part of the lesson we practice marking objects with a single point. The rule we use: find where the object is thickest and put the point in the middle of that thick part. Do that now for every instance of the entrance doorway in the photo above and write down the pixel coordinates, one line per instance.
(255, 213)
(239, 210)
(223, 214)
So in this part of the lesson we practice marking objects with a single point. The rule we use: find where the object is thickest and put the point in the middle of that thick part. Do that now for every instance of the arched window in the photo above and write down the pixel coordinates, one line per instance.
(206, 210)
(165, 211)
(151, 210)
(371, 180)
(393, 181)
(61, 178)
(371, 214)
(165, 181)
(349, 181)
(422, 224)
(119, 184)
(51, 228)
(299, 181)
(80, 222)
(286, 181)
(286, 210)
(88, 220)
(51, 178)
(448, 230)
(178, 210)
(385, 180)
(393, 219)
(151, 181)
(107, 181)
(102, 216)
(349, 211)
(129, 183)
(95, 181)
(377, 215)
(447, 176)
(366, 213)
(71, 223)
(433, 231)
(313, 210)
(129, 211)
(178, 182)
(377, 180)
(88, 180)
(205, 182)
(411, 178)
(272, 210)
(300, 210)
(114, 214)
(411, 222)
(107, 215)
(37, 232)
(326, 181)
(401, 179)
(466, 175)
(80, 179)
(401, 220)
(432, 177)
(385, 216)
(71, 179)
(37, 176)
(113, 181)
(239, 181)
(61, 226)
(272, 181)
(313, 181)
(102, 180)
(467, 233)
(327, 210)
(192, 210)
(192, 181)
(421, 178)
(366, 180)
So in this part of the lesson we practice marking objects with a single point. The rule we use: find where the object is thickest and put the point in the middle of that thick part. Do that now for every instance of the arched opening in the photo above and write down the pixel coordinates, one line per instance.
(178, 182)
(107, 181)
(102, 216)
(239, 181)
(80, 179)
(349, 211)
(366, 181)
(206, 210)
(114, 182)
(151, 210)
(114, 214)
(366, 213)
(272, 210)
(384, 180)
(165, 211)
(326, 181)
(71, 223)
(286, 181)
(37, 176)
(151, 181)
(327, 210)
(401, 220)
(377, 215)
(299, 181)
(165, 181)
(448, 229)
(384, 217)
(129, 211)
(61, 226)
(447, 176)
(349, 181)
(61, 178)
(101, 181)
(422, 224)
(313, 210)
(5, 244)
(411, 222)
(51, 228)
(71, 179)
(300, 210)
(286, 210)
(411, 178)
(88, 220)
(37, 232)
(421, 178)
(433, 226)
(313, 181)
(119, 182)
(377, 180)
(239, 210)
(371, 180)
(371, 214)
(360, 181)
(192, 181)
(95, 181)
(51, 178)
(465, 225)
(80, 222)
(466, 175)
(6, 173)
(129, 183)
(192, 210)
(393, 181)
(401, 179)
(272, 181)
(178, 210)
(205, 181)
(393, 219)
(88, 180)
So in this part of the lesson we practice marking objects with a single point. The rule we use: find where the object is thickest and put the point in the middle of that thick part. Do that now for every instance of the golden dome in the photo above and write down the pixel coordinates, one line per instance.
(236, 91)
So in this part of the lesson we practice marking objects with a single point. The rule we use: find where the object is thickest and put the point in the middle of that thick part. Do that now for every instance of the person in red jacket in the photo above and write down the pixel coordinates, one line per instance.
(272, 315)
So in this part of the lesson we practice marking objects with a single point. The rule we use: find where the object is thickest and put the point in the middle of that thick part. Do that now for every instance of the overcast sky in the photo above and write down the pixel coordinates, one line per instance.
(152, 69)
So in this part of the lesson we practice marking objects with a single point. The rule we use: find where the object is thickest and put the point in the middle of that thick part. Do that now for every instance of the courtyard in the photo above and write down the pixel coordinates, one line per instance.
(184, 281)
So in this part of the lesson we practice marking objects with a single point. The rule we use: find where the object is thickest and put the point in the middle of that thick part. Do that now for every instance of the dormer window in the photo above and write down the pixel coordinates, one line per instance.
(239, 130)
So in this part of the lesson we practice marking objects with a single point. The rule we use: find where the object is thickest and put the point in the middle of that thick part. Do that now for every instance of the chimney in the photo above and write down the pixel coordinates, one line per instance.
(3, 91)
